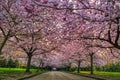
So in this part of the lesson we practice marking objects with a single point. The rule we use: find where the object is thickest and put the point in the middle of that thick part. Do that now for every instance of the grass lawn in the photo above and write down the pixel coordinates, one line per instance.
(15, 70)
(14, 73)
(105, 75)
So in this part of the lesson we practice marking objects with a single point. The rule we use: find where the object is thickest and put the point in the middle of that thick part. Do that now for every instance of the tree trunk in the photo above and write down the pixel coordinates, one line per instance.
(28, 64)
(42, 66)
(91, 62)
(78, 69)
(69, 66)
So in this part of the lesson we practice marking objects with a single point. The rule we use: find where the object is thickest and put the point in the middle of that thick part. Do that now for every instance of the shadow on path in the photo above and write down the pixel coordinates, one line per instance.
(30, 76)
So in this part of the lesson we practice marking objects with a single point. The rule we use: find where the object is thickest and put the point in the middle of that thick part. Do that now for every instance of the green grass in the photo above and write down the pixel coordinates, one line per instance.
(15, 70)
(101, 74)
(15, 73)
(113, 74)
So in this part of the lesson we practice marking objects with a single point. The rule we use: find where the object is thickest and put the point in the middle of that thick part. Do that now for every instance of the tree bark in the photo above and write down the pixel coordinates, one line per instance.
(78, 69)
(42, 66)
(69, 66)
(91, 62)
(28, 63)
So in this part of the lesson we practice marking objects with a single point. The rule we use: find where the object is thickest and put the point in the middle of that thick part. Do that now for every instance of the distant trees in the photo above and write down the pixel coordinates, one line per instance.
(10, 63)
(3, 63)
(112, 67)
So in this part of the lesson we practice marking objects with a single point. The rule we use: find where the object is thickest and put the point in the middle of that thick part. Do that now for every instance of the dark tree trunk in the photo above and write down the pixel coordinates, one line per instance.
(91, 62)
(28, 63)
(78, 69)
(69, 66)
(42, 66)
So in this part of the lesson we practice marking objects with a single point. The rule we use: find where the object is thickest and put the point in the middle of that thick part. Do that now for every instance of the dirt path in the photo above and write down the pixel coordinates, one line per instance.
(56, 75)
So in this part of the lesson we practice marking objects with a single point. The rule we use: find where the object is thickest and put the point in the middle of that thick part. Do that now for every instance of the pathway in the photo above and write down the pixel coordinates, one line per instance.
(56, 75)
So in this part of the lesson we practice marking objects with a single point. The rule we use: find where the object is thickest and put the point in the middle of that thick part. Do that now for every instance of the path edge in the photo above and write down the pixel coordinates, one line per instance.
(27, 77)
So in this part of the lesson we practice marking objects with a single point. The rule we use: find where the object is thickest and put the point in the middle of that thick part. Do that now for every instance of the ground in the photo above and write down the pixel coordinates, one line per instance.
(56, 75)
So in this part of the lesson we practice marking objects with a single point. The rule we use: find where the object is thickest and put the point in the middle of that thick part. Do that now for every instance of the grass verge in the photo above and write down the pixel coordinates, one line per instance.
(15, 73)
(101, 74)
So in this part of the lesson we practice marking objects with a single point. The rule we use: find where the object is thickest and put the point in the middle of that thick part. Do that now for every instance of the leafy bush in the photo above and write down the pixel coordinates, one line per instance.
(113, 67)
(10, 63)
(3, 63)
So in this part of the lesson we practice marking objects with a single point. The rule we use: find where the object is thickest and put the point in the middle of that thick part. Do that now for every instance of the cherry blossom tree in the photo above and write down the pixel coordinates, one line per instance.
(10, 20)
(106, 21)
(74, 27)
